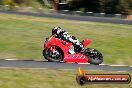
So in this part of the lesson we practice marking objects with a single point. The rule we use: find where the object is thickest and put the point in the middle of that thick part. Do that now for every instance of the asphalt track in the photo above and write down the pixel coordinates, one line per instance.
(61, 65)
(73, 17)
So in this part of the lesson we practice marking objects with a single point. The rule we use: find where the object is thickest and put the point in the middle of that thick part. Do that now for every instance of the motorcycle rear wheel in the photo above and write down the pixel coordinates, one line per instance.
(94, 56)
(47, 55)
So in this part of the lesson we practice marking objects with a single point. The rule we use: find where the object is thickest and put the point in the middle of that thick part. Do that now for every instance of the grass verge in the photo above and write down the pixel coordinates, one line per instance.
(48, 78)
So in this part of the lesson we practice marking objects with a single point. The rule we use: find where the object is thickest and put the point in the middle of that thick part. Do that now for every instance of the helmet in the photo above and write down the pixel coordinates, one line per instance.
(56, 30)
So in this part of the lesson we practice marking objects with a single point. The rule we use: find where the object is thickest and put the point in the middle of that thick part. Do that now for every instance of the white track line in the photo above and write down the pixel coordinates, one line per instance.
(104, 64)
(107, 64)
(82, 63)
(116, 65)
(10, 59)
(88, 63)
(121, 71)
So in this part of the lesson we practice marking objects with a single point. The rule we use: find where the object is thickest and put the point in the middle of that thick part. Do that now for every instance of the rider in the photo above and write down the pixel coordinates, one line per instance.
(59, 33)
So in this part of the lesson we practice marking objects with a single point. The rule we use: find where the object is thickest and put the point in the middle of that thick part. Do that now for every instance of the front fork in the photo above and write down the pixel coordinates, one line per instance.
(52, 49)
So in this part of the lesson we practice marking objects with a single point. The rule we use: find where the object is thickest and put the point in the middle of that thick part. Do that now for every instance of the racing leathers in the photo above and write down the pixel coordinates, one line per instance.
(58, 32)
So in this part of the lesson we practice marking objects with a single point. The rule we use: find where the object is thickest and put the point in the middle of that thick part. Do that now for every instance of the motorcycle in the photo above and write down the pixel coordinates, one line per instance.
(57, 50)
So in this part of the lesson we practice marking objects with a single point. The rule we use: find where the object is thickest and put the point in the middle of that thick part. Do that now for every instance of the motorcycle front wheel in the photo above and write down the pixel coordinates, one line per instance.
(52, 57)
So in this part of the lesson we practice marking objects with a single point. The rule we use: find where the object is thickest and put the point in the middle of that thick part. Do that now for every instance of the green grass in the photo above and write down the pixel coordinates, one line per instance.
(22, 37)
(49, 78)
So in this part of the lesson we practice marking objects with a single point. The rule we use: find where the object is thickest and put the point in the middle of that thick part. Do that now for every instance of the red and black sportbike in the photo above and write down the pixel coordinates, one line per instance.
(57, 50)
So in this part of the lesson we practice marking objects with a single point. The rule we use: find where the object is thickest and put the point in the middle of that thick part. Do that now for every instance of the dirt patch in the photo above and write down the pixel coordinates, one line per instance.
(29, 18)
(7, 56)
(129, 17)
(126, 61)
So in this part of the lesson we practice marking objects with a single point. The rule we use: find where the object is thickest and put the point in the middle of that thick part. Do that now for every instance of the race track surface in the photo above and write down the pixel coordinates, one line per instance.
(61, 65)
(73, 17)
